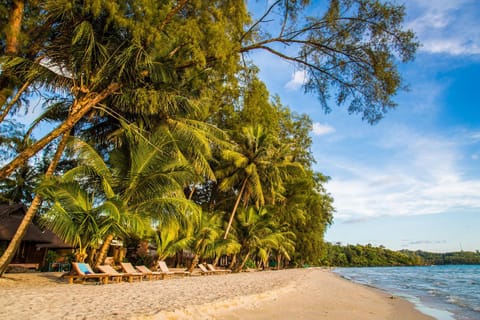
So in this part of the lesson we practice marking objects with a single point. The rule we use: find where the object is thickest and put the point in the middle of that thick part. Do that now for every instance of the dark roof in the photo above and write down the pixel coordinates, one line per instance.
(10, 218)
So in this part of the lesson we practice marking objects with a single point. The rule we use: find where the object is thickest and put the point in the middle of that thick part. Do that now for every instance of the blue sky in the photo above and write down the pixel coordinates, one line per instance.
(413, 180)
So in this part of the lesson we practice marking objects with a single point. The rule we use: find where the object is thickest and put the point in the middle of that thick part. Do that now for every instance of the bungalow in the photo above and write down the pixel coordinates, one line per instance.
(36, 242)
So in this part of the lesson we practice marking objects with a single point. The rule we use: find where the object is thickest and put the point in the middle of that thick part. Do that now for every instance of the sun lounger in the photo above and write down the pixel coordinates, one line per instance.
(164, 269)
(83, 271)
(204, 270)
(149, 273)
(118, 276)
(219, 271)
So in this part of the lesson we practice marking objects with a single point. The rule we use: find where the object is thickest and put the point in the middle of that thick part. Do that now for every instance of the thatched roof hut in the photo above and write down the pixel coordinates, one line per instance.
(35, 242)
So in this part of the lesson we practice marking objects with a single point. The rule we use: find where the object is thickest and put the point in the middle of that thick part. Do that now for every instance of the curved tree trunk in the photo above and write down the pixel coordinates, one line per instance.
(104, 250)
(232, 215)
(79, 109)
(215, 262)
(195, 260)
(32, 210)
(240, 267)
(233, 262)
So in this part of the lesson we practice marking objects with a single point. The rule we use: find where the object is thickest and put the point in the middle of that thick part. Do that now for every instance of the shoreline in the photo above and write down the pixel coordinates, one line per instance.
(313, 293)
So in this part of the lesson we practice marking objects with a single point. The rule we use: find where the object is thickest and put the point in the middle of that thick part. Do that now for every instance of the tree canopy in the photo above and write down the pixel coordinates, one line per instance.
(180, 77)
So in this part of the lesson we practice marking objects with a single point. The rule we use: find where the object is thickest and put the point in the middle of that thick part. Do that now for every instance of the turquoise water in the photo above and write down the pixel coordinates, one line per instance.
(444, 292)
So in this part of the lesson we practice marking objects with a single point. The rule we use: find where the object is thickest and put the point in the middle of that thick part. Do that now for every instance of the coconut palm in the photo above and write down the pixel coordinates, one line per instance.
(258, 234)
(255, 170)
(207, 242)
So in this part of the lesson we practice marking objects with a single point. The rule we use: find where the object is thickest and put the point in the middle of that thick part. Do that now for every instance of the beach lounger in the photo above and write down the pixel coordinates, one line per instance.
(164, 269)
(149, 274)
(204, 270)
(83, 271)
(118, 276)
(219, 271)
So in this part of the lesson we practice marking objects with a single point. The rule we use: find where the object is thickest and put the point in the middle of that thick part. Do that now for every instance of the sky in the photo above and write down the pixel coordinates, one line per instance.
(412, 181)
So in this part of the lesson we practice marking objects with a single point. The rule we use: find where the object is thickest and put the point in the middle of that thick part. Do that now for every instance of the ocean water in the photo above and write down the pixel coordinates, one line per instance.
(443, 292)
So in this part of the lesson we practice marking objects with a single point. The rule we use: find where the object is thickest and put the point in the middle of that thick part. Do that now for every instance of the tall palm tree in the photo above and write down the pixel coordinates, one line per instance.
(254, 171)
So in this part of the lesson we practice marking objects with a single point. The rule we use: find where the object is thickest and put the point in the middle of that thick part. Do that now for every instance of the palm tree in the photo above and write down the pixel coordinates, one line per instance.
(254, 171)
(170, 238)
(207, 239)
(258, 234)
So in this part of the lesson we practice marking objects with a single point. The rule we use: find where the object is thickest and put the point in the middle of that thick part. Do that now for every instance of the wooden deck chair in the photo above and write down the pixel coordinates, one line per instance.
(204, 270)
(118, 276)
(149, 274)
(164, 269)
(219, 271)
(83, 271)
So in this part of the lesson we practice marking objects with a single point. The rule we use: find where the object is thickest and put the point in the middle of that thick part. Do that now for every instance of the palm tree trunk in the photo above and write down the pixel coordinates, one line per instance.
(14, 27)
(232, 215)
(195, 260)
(104, 250)
(91, 255)
(79, 109)
(240, 267)
(12, 36)
(215, 262)
(32, 210)
(233, 262)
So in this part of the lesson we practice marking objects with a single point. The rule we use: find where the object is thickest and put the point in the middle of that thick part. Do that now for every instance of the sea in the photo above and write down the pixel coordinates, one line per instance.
(450, 292)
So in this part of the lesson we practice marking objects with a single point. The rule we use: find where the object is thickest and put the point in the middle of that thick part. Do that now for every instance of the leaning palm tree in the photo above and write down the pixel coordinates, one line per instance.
(254, 170)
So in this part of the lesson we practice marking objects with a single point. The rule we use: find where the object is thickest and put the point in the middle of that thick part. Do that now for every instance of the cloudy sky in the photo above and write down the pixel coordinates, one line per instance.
(413, 180)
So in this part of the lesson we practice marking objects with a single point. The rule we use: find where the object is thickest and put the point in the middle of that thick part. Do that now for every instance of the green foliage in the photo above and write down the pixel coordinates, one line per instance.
(462, 257)
(165, 95)
(366, 256)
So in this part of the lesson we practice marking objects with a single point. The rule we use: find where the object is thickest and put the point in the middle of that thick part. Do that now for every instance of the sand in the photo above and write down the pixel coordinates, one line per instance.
(312, 293)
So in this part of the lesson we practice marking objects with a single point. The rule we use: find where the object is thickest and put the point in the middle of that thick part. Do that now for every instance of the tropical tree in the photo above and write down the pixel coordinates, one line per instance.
(207, 239)
(170, 238)
(258, 234)
(255, 169)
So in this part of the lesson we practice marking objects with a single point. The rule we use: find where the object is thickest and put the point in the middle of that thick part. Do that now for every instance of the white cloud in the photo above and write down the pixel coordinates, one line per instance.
(446, 27)
(297, 80)
(420, 176)
(322, 129)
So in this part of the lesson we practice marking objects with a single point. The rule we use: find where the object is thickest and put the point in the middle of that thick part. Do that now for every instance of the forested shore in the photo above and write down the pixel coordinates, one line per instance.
(370, 256)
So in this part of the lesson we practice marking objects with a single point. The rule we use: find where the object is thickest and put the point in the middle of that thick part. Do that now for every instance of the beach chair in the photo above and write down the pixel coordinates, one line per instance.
(164, 269)
(219, 271)
(83, 271)
(118, 276)
(203, 270)
(149, 274)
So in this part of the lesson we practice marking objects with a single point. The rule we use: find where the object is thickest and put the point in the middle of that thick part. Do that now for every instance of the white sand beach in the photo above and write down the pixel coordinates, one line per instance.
(312, 293)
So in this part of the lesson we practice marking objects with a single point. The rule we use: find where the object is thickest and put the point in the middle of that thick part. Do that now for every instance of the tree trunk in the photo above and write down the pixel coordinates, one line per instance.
(232, 215)
(234, 261)
(215, 262)
(104, 250)
(91, 256)
(14, 27)
(194, 263)
(79, 109)
(240, 267)
(12, 36)
(32, 210)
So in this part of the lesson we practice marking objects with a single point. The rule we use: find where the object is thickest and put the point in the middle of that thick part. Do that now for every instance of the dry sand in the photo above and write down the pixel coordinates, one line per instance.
(288, 294)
